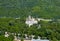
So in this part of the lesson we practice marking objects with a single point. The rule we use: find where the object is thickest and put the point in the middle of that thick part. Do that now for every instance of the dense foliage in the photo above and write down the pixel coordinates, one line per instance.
(47, 30)
(37, 8)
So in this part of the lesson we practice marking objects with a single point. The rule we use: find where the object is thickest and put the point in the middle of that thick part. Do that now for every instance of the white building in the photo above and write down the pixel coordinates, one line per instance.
(6, 34)
(44, 19)
(38, 40)
(30, 21)
(16, 39)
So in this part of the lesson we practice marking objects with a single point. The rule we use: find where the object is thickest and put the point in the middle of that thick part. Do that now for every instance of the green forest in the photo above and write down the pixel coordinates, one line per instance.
(48, 30)
(47, 9)
(36, 8)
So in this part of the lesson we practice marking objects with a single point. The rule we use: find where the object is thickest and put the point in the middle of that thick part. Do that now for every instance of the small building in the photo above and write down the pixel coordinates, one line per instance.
(16, 39)
(27, 40)
(6, 34)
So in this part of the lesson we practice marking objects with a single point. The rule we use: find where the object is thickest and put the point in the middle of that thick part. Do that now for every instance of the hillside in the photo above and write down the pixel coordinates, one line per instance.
(47, 30)
(36, 8)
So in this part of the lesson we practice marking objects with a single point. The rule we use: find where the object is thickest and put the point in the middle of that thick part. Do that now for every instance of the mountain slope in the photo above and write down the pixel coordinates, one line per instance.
(37, 8)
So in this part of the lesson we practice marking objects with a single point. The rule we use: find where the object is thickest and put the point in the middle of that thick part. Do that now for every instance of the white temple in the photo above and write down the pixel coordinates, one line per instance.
(30, 21)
